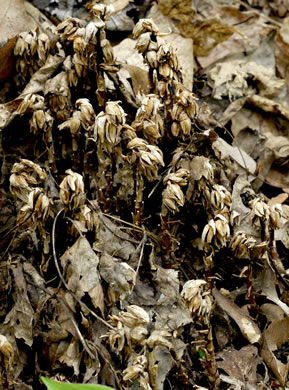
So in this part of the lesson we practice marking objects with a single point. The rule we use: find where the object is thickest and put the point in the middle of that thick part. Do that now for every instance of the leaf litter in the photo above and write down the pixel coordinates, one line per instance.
(144, 195)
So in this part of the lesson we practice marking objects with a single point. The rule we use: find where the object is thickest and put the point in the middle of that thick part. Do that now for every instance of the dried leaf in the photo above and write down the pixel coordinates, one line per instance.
(114, 241)
(230, 79)
(82, 268)
(224, 150)
(269, 289)
(72, 356)
(208, 34)
(274, 336)
(240, 365)
(247, 326)
(125, 53)
(160, 363)
(17, 16)
(118, 275)
(250, 31)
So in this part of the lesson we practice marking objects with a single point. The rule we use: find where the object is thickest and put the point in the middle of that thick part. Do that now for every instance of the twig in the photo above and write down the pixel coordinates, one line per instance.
(109, 364)
(14, 229)
(75, 225)
(135, 227)
(18, 225)
(10, 243)
(83, 342)
(119, 236)
(160, 178)
(141, 244)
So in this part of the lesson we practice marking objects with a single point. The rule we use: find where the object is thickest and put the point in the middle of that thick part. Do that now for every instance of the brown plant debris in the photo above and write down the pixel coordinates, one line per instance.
(144, 225)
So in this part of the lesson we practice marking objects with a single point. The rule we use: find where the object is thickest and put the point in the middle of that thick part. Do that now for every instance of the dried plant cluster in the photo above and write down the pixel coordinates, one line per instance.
(121, 218)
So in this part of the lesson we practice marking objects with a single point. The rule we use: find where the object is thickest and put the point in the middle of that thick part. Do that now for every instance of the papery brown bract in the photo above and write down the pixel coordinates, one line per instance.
(72, 192)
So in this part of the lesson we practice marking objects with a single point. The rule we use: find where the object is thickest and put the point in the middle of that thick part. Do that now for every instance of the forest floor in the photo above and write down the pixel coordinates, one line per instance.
(144, 220)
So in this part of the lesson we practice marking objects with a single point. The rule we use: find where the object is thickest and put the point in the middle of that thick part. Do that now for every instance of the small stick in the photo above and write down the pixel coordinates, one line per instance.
(142, 245)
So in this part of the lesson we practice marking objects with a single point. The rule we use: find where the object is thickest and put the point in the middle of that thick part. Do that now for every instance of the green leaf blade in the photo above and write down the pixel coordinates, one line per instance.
(54, 385)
